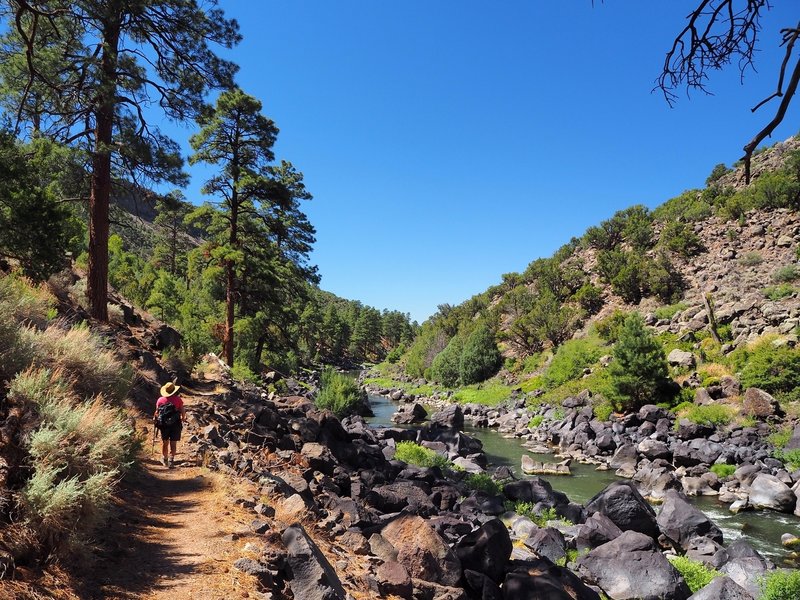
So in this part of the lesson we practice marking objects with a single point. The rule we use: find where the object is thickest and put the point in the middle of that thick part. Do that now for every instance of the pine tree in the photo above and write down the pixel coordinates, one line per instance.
(639, 371)
(83, 72)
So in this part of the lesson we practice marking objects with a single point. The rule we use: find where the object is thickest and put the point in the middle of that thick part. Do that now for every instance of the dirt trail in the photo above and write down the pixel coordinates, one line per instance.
(170, 538)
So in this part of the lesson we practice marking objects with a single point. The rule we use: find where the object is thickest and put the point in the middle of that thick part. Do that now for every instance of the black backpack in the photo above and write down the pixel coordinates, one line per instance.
(168, 415)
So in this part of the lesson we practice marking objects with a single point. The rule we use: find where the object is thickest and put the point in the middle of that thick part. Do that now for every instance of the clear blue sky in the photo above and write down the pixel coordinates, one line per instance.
(449, 142)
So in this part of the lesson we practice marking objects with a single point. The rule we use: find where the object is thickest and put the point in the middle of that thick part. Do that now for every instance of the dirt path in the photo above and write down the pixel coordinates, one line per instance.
(172, 538)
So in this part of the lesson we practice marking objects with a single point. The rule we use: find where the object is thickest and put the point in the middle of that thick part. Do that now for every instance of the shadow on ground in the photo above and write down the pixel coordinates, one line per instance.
(134, 559)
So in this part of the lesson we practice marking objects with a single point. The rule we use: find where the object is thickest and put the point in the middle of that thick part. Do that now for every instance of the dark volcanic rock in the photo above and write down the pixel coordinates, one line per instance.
(596, 531)
(481, 587)
(486, 550)
(542, 580)
(722, 588)
(450, 416)
(760, 404)
(535, 490)
(631, 567)
(682, 522)
(422, 551)
(312, 577)
(548, 543)
(393, 578)
(623, 504)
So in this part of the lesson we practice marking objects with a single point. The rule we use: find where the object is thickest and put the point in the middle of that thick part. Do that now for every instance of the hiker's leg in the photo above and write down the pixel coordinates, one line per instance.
(164, 447)
(173, 446)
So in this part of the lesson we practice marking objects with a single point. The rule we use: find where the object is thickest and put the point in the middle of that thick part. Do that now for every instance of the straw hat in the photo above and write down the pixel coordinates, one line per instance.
(169, 389)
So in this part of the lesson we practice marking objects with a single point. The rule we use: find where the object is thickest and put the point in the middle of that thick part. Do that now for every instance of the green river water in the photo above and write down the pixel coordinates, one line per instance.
(763, 529)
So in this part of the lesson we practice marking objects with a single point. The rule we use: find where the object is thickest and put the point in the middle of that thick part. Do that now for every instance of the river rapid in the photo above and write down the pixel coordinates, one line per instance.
(762, 529)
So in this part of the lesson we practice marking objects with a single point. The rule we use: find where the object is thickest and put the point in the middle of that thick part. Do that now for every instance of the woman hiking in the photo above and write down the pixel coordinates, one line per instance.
(169, 417)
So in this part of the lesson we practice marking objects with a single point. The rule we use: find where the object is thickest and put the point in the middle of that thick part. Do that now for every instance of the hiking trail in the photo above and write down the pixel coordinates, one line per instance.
(173, 533)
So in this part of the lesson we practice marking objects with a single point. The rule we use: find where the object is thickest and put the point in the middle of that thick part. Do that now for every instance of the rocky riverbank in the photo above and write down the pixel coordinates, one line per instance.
(431, 533)
(653, 447)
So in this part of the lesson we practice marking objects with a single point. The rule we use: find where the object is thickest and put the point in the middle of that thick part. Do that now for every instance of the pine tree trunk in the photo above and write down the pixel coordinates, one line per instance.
(230, 284)
(100, 195)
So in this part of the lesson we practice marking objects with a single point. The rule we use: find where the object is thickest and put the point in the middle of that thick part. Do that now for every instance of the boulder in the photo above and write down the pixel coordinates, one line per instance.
(422, 551)
(624, 460)
(312, 576)
(730, 386)
(596, 531)
(794, 441)
(631, 567)
(682, 523)
(760, 404)
(767, 491)
(481, 587)
(653, 449)
(542, 580)
(486, 550)
(393, 579)
(722, 588)
(409, 414)
(548, 543)
(681, 358)
(535, 490)
(746, 571)
(450, 416)
(622, 503)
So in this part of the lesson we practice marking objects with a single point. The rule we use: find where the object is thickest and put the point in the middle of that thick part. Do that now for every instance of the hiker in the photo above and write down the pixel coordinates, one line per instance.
(169, 417)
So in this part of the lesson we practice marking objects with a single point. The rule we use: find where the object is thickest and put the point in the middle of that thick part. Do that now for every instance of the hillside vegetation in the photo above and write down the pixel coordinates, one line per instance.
(65, 440)
(711, 271)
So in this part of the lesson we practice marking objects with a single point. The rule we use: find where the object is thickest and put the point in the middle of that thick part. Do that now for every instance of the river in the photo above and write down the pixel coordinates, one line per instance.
(762, 529)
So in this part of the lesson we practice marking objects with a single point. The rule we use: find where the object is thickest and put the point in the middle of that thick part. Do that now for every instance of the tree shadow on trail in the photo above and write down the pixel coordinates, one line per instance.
(137, 554)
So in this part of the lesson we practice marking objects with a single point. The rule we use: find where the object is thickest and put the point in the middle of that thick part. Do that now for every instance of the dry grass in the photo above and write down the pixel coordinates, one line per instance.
(80, 356)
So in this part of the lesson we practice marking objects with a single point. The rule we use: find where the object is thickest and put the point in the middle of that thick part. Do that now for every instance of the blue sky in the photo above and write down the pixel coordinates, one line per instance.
(449, 142)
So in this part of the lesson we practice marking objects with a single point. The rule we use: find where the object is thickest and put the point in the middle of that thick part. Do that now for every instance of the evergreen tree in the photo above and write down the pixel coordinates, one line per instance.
(446, 367)
(480, 358)
(639, 371)
(172, 244)
(236, 137)
(84, 72)
(35, 229)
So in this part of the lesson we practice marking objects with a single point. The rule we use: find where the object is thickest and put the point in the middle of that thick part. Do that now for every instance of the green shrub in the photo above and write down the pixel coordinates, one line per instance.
(709, 414)
(689, 206)
(480, 358)
(778, 292)
(751, 259)
(339, 393)
(414, 454)
(695, 573)
(723, 470)
(488, 393)
(241, 372)
(609, 327)
(781, 437)
(23, 302)
(571, 359)
(535, 421)
(680, 238)
(602, 410)
(590, 298)
(540, 517)
(446, 366)
(669, 311)
(786, 274)
(791, 458)
(482, 482)
(639, 370)
(717, 172)
(781, 585)
(775, 370)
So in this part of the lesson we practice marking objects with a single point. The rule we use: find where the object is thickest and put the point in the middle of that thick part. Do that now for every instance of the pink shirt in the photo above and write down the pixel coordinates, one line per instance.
(176, 400)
